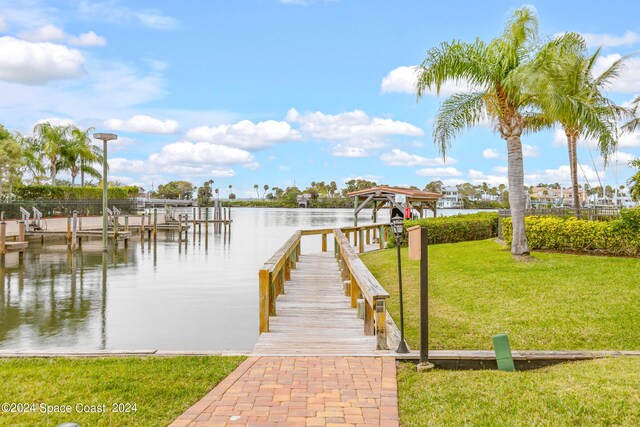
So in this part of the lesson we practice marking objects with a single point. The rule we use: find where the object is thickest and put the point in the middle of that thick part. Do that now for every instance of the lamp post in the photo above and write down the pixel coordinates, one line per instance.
(397, 226)
(104, 137)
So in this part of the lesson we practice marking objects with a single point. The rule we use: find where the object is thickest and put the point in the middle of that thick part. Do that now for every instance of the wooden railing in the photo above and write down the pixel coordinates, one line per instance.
(361, 284)
(359, 281)
(275, 272)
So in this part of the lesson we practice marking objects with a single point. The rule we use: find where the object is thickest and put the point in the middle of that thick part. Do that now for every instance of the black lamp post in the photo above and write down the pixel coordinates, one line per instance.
(397, 226)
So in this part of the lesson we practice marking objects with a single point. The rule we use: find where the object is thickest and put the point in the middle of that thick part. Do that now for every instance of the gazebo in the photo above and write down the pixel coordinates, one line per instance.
(393, 197)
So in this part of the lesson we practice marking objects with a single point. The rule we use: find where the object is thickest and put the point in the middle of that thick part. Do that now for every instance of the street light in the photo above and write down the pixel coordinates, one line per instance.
(104, 137)
(397, 226)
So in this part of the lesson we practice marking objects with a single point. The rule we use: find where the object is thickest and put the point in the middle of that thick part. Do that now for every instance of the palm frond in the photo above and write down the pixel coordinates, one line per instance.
(456, 113)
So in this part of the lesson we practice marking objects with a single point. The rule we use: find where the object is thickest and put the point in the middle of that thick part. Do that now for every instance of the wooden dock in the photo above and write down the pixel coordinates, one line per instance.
(313, 315)
(324, 303)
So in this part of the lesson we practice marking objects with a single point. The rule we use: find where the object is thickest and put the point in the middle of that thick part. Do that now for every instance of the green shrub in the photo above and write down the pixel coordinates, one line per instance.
(617, 237)
(458, 228)
(54, 192)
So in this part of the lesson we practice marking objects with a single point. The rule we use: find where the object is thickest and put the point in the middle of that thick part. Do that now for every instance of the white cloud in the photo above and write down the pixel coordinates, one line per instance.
(3, 24)
(501, 169)
(437, 172)
(51, 33)
(530, 150)
(122, 165)
(629, 80)
(143, 124)
(284, 168)
(352, 134)
(87, 39)
(562, 175)
(401, 158)
(186, 153)
(245, 134)
(490, 153)
(477, 177)
(596, 40)
(628, 140)
(620, 158)
(37, 63)
(403, 79)
(46, 33)
(112, 11)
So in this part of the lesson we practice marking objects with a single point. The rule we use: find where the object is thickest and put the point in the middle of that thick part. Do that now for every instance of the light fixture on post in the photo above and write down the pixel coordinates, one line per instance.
(104, 137)
(397, 226)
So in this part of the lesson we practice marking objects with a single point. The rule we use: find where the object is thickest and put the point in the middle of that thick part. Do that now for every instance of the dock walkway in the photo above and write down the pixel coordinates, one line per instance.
(313, 315)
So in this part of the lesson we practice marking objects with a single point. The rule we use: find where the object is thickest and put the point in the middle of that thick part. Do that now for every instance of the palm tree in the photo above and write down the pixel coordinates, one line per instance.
(255, 186)
(52, 140)
(570, 94)
(80, 155)
(490, 69)
(266, 187)
(230, 189)
(31, 154)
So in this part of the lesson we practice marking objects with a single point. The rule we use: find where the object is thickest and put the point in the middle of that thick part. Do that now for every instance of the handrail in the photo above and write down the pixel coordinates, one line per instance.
(361, 283)
(277, 270)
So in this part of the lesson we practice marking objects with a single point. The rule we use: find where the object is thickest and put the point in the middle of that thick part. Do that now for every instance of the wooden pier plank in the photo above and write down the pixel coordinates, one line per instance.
(314, 316)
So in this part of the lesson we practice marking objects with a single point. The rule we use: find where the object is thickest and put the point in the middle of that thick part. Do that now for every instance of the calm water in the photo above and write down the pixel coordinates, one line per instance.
(198, 295)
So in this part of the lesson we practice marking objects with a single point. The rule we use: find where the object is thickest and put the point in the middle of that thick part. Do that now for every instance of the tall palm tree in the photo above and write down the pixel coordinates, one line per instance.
(52, 140)
(230, 189)
(266, 188)
(255, 186)
(570, 94)
(490, 69)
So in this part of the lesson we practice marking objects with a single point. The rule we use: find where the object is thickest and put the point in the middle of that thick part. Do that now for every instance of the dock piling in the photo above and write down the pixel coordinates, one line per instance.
(155, 223)
(3, 237)
(74, 236)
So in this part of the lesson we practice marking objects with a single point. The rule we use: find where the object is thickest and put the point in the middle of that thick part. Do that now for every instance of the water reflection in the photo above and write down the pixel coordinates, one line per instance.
(198, 293)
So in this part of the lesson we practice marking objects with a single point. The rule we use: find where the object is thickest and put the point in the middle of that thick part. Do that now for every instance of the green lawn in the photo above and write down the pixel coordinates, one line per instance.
(160, 387)
(555, 302)
(602, 392)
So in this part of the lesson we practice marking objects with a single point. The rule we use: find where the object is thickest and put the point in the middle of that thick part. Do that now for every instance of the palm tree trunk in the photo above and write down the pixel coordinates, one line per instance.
(81, 173)
(519, 245)
(572, 140)
(53, 174)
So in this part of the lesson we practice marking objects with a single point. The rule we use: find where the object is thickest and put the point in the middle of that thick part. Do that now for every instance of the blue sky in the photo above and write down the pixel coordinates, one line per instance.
(277, 91)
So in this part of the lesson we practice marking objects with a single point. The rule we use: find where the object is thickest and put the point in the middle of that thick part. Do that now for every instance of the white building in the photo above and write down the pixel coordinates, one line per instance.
(450, 199)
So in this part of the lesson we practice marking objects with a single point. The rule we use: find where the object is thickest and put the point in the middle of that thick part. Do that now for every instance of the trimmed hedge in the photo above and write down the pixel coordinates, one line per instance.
(54, 192)
(458, 228)
(618, 237)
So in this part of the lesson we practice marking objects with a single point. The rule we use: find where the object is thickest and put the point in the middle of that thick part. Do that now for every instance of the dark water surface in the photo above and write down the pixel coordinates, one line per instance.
(198, 295)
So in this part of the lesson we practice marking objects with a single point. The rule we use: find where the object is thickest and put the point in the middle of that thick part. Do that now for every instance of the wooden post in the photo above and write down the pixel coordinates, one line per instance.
(287, 269)
(194, 223)
(355, 211)
(360, 241)
(155, 222)
(354, 292)
(355, 238)
(368, 236)
(273, 294)
(368, 319)
(346, 288)
(324, 243)
(142, 226)
(3, 238)
(264, 278)
(206, 220)
(380, 237)
(381, 324)
(280, 278)
(79, 224)
(68, 231)
(126, 223)
(74, 242)
(115, 229)
(180, 228)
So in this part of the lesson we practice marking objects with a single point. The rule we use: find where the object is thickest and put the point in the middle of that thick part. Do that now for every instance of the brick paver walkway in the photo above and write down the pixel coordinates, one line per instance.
(301, 391)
